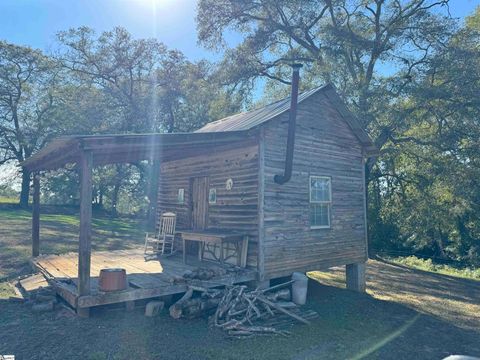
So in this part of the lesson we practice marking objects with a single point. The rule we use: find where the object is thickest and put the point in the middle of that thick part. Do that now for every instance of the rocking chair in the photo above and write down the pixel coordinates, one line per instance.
(162, 243)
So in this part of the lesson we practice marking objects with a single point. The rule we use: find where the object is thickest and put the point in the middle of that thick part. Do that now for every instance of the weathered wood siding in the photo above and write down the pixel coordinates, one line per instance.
(324, 146)
(236, 209)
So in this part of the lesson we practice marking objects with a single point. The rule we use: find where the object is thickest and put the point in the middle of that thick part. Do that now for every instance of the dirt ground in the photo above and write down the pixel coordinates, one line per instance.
(406, 314)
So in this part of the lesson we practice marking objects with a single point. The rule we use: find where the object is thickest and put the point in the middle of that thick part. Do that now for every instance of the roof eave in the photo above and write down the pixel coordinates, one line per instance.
(64, 150)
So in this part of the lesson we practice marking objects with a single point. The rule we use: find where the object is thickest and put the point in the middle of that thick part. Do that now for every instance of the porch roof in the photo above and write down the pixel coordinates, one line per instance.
(110, 149)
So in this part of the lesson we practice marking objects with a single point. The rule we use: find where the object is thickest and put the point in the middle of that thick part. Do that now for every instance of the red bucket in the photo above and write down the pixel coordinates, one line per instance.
(112, 280)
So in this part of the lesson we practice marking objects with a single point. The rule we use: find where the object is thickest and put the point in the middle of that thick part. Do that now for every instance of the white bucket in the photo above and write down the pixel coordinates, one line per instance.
(299, 288)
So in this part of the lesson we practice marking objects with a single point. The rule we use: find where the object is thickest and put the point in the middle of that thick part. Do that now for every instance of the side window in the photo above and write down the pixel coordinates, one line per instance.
(320, 201)
(181, 196)
(212, 196)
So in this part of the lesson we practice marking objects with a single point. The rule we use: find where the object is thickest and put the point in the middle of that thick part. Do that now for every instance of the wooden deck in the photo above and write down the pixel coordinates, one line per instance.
(146, 278)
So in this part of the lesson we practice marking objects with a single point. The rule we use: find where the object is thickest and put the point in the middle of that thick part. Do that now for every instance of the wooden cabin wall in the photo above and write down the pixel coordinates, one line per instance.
(236, 209)
(324, 146)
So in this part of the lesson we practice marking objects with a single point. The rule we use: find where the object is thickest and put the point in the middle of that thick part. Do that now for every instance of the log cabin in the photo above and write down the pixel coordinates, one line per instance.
(288, 176)
(315, 220)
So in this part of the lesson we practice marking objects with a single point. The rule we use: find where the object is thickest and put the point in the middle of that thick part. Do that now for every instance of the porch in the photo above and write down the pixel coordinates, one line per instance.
(145, 278)
(75, 276)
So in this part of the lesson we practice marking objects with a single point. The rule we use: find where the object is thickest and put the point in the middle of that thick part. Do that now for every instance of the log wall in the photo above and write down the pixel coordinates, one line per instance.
(324, 146)
(235, 209)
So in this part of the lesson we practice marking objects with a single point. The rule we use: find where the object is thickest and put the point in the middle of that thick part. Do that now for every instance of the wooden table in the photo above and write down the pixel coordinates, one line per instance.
(220, 237)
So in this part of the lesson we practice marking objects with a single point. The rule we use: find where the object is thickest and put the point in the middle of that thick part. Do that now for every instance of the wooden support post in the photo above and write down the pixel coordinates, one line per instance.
(36, 216)
(130, 305)
(153, 192)
(261, 205)
(84, 245)
(355, 274)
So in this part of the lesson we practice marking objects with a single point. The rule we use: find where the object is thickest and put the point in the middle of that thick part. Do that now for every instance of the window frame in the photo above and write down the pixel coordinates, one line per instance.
(329, 203)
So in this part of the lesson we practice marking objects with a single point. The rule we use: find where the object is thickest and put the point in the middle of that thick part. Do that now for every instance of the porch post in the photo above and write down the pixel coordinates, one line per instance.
(36, 215)
(84, 245)
(153, 192)
(356, 277)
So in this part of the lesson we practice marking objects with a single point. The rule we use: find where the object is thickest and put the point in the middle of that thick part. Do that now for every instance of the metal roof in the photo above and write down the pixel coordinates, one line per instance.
(134, 147)
(250, 119)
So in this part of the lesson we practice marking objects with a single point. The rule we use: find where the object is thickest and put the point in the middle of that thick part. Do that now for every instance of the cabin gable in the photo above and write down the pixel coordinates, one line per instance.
(325, 146)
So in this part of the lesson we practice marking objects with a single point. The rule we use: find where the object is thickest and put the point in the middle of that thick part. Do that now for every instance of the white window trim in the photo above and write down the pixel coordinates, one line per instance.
(329, 226)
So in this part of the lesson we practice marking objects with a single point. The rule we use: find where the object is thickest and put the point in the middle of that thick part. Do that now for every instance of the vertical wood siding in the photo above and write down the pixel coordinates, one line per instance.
(235, 209)
(324, 146)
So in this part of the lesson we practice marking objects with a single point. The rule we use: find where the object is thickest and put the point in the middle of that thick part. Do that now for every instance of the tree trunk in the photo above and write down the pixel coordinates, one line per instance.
(100, 197)
(25, 192)
(116, 189)
(171, 120)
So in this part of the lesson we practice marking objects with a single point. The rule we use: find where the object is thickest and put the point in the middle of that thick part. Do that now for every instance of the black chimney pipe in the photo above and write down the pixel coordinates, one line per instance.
(282, 179)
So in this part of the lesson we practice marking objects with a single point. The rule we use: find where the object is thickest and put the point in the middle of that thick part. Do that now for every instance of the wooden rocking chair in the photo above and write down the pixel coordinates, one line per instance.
(164, 237)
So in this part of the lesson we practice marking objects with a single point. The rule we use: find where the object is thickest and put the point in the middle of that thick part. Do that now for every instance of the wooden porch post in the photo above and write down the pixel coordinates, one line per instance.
(84, 246)
(153, 192)
(36, 215)
(355, 274)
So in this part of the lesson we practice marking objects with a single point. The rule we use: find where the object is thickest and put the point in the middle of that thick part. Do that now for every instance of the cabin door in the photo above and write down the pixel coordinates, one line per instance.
(199, 202)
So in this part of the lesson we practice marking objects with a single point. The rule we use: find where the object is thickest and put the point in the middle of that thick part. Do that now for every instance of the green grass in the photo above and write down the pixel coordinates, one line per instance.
(59, 234)
(406, 313)
(6, 290)
(8, 200)
(427, 265)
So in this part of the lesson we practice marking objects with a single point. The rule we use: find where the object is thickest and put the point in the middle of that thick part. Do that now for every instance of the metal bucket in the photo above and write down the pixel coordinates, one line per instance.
(112, 280)
(299, 288)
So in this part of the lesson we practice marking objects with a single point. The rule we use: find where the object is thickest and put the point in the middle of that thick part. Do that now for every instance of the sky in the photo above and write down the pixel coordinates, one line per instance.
(170, 21)
(35, 22)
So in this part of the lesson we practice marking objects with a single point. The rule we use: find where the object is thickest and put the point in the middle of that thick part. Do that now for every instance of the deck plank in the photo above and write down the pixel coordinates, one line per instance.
(146, 279)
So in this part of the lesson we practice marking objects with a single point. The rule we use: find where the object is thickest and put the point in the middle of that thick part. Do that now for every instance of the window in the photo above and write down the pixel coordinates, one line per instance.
(320, 201)
(212, 196)
(181, 196)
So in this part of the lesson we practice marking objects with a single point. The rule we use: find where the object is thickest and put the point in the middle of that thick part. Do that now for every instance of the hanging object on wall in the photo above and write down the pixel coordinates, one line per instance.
(229, 184)
(212, 196)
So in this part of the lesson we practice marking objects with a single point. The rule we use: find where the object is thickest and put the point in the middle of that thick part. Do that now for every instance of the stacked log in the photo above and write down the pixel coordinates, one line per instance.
(189, 307)
(241, 312)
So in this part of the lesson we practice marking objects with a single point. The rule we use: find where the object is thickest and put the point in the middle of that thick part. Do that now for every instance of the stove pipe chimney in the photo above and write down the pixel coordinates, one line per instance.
(282, 179)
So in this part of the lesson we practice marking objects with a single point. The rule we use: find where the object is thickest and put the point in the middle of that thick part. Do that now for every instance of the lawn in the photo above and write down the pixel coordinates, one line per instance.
(406, 314)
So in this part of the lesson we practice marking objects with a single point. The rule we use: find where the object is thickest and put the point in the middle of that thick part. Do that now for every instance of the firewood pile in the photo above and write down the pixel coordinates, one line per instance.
(241, 312)
(204, 274)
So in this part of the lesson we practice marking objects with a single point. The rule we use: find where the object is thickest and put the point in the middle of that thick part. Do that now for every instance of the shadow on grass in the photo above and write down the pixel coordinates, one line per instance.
(452, 299)
(350, 326)
(407, 314)
(59, 234)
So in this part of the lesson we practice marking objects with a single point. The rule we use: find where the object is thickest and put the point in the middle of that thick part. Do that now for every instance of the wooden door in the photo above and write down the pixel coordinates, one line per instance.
(199, 202)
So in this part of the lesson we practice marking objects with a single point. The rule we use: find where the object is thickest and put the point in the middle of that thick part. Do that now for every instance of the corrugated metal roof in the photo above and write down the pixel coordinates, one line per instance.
(250, 119)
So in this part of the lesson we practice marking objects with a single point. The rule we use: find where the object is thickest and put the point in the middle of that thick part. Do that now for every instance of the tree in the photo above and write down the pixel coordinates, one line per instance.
(369, 49)
(410, 75)
(123, 68)
(28, 101)
(137, 86)
(426, 185)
